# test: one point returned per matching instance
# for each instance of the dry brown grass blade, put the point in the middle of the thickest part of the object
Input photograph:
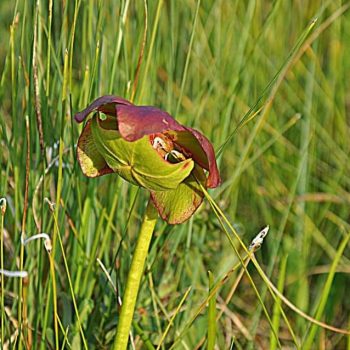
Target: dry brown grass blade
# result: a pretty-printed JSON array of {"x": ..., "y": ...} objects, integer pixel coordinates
[{"x": 142, "y": 50}]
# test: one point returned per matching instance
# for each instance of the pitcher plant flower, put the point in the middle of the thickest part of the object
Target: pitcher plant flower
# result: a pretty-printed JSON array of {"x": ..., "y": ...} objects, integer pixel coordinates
[{"x": 149, "y": 148}]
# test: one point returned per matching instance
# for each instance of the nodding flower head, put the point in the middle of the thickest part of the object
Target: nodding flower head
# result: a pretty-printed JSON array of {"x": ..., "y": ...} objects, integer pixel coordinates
[{"x": 149, "y": 148}]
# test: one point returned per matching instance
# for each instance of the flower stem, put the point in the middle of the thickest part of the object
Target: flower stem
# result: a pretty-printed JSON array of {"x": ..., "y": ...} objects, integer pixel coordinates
[{"x": 134, "y": 277}]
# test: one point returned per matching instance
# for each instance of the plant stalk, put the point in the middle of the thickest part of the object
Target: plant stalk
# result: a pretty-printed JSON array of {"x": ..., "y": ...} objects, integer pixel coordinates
[
  {"x": 134, "y": 277},
  {"x": 2, "y": 214}
]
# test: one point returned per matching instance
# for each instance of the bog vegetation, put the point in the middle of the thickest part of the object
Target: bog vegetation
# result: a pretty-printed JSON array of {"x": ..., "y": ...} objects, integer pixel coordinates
[{"x": 268, "y": 83}]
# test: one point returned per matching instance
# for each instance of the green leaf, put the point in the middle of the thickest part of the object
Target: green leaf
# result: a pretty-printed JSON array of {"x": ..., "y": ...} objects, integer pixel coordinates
[
  {"x": 137, "y": 162},
  {"x": 178, "y": 205}
]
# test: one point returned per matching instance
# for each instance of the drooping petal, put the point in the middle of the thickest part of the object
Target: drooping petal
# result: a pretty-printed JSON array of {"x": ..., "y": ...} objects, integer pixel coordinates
[
  {"x": 202, "y": 152},
  {"x": 137, "y": 162},
  {"x": 178, "y": 205},
  {"x": 135, "y": 122},
  {"x": 105, "y": 104},
  {"x": 214, "y": 175},
  {"x": 91, "y": 161}
]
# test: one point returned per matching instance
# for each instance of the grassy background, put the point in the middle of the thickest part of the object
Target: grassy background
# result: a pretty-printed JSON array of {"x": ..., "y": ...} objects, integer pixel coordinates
[{"x": 208, "y": 63}]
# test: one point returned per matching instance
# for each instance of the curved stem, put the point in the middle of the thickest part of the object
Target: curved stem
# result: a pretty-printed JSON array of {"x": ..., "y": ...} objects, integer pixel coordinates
[{"x": 134, "y": 277}]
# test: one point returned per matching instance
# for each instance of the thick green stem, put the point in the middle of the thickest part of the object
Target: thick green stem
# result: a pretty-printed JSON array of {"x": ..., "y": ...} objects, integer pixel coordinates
[{"x": 134, "y": 278}]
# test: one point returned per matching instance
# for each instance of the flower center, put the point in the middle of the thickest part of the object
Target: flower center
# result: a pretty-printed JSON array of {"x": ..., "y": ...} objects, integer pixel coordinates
[{"x": 167, "y": 148}]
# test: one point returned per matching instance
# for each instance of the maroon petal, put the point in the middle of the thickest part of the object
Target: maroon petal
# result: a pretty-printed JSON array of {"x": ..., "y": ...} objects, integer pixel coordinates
[
  {"x": 105, "y": 104},
  {"x": 214, "y": 176},
  {"x": 135, "y": 122},
  {"x": 201, "y": 150}
]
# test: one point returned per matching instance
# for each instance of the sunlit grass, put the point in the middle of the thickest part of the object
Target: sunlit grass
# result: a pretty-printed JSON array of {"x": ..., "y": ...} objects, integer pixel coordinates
[{"x": 267, "y": 84}]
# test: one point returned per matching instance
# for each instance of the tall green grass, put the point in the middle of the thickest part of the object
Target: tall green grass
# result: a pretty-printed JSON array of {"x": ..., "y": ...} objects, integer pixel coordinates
[{"x": 267, "y": 82}]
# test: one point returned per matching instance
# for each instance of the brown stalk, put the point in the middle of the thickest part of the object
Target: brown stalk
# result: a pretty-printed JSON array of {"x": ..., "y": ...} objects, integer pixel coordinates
[
  {"x": 25, "y": 205},
  {"x": 142, "y": 50},
  {"x": 37, "y": 103}
]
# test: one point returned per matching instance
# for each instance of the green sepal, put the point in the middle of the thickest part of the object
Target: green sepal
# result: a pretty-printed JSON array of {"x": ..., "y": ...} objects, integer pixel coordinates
[
  {"x": 137, "y": 162},
  {"x": 178, "y": 205},
  {"x": 91, "y": 161}
]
